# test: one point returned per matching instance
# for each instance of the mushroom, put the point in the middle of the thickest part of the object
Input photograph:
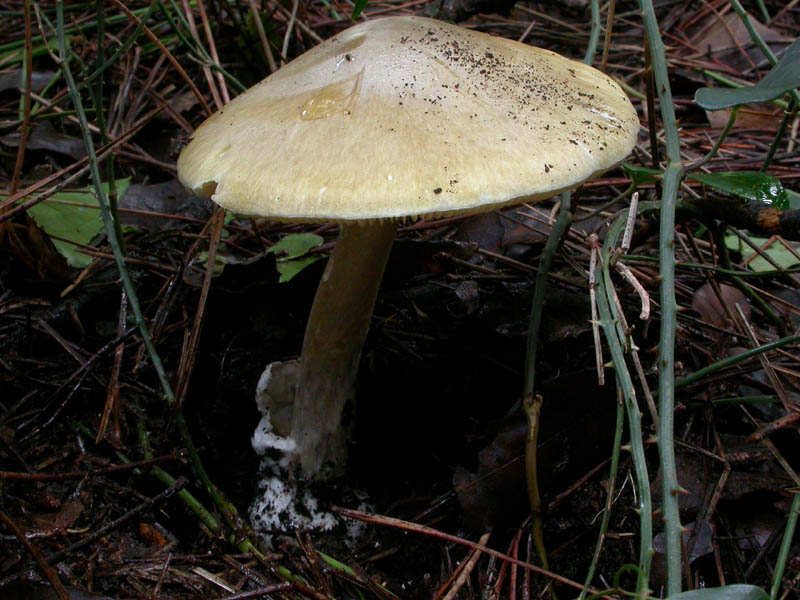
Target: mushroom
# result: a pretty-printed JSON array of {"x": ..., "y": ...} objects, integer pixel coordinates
[{"x": 394, "y": 119}]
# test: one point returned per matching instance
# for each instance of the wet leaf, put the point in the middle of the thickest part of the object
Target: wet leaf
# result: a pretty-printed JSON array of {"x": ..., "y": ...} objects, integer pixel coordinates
[
  {"x": 711, "y": 310},
  {"x": 766, "y": 117},
  {"x": 45, "y": 137},
  {"x": 698, "y": 538},
  {"x": 13, "y": 80},
  {"x": 776, "y": 251},
  {"x": 68, "y": 515},
  {"x": 794, "y": 199},
  {"x": 642, "y": 175},
  {"x": 35, "y": 248},
  {"x": 485, "y": 229},
  {"x": 749, "y": 185},
  {"x": 150, "y": 206},
  {"x": 783, "y": 77},
  {"x": 46, "y": 592},
  {"x": 290, "y": 253},
  {"x": 728, "y": 592},
  {"x": 497, "y": 489},
  {"x": 727, "y": 39},
  {"x": 73, "y": 218}
]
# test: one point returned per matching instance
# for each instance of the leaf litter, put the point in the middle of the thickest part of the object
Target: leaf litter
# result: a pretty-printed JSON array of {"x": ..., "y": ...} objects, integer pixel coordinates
[{"x": 441, "y": 370}]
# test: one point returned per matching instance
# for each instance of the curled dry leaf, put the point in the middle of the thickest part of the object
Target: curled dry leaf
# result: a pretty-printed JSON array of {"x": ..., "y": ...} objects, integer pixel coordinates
[{"x": 714, "y": 311}]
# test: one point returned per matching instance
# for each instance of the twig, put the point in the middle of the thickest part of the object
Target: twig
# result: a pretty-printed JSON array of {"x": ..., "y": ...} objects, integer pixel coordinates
[
  {"x": 111, "y": 407},
  {"x": 110, "y": 470},
  {"x": 48, "y": 571},
  {"x": 24, "y": 129},
  {"x": 644, "y": 314},
  {"x": 170, "y": 57},
  {"x": 57, "y": 557},
  {"x": 262, "y": 36},
  {"x": 189, "y": 352},
  {"x": 607, "y": 39},
  {"x": 633, "y": 210},
  {"x": 215, "y": 94},
  {"x": 468, "y": 566},
  {"x": 430, "y": 531},
  {"x": 212, "y": 48},
  {"x": 289, "y": 26}
]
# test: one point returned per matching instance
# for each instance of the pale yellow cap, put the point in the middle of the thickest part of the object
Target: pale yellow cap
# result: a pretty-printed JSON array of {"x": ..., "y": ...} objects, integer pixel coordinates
[{"x": 407, "y": 117}]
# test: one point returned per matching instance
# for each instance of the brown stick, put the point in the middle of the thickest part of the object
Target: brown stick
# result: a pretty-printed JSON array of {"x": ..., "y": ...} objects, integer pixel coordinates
[{"x": 408, "y": 526}]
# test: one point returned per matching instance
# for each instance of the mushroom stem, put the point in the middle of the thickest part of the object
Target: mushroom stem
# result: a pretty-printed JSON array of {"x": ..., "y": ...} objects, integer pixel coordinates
[{"x": 335, "y": 334}]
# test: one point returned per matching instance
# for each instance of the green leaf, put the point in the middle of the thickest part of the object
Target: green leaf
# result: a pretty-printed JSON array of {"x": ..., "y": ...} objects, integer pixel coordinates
[
  {"x": 220, "y": 260},
  {"x": 728, "y": 592},
  {"x": 750, "y": 185},
  {"x": 73, "y": 216},
  {"x": 783, "y": 77},
  {"x": 642, "y": 175},
  {"x": 358, "y": 7},
  {"x": 776, "y": 251},
  {"x": 290, "y": 268},
  {"x": 296, "y": 244},
  {"x": 290, "y": 251}
]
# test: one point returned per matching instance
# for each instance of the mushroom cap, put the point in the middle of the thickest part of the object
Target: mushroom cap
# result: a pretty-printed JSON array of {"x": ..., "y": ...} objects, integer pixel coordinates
[{"x": 406, "y": 117}]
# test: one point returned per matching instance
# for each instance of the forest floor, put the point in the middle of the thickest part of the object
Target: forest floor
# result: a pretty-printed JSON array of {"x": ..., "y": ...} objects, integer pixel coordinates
[{"x": 99, "y": 493}]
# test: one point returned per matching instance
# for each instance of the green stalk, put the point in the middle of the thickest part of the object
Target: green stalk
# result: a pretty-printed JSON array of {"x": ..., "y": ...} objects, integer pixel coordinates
[
  {"x": 666, "y": 359},
  {"x": 552, "y": 245},
  {"x": 612, "y": 477},
  {"x": 228, "y": 510},
  {"x": 557, "y": 235},
  {"x": 38, "y": 39},
  {"x": 786, "y": 545},
  {"x": 195, "y": 47},
  {"x": 758, "y": 40},
  {"x": 101, "y": 118},
  {"x": 670, "y": 487},
  {"x": 532, "y": 404},
  {"x": 594, "y": 34},
  {"x": 625, "y": 384},
  {"x": 168, "y": 480},
  {"x": 789, "y": 115},
  {"x": 764, "y": 13},
  {"x": 715, "y": 148},
  {"x": 533, "y": 409},
  {"x": 735, "y": 360},
  {"x": 105, "y": 211},
  {"x": 717, "y": 270}
]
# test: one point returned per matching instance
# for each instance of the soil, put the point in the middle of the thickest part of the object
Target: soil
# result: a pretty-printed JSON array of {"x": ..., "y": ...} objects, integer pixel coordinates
[{"x": 438, "y": 448}]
